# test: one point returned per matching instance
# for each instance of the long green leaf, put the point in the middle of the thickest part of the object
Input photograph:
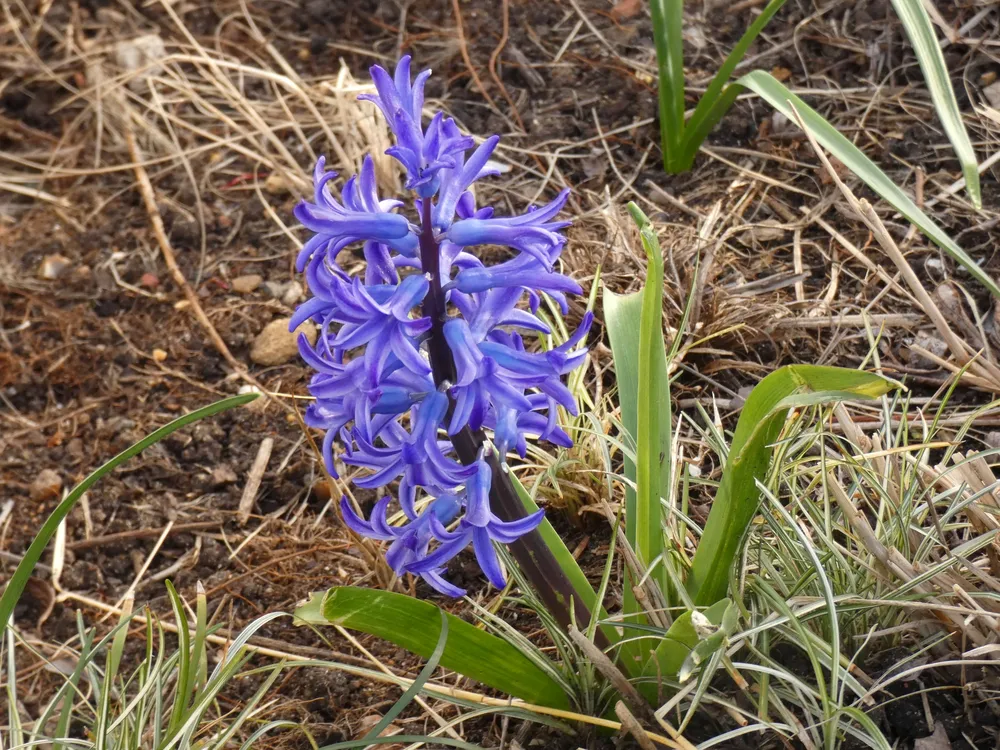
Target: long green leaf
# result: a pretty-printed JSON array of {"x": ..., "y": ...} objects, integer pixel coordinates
[
  {"x": 714, "y": 103},
  {"x": 668, "y": 22},
  {"x": 760, "y": 422},
  {"x": 920, "y": 30},
  {"x": 12, "y": 591},
  {"x": 652, "y": 461},
  {"x": 779, "y": 97},
  {"x": 415, "y": 625}
]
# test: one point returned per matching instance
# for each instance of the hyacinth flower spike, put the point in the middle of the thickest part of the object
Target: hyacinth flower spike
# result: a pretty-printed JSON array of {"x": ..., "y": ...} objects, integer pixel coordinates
[{"x": 426, "y": 351}]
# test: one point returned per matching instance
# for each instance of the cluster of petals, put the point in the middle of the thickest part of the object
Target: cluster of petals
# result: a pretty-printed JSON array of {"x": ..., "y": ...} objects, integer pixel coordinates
[{"x": 376, "y": 397}]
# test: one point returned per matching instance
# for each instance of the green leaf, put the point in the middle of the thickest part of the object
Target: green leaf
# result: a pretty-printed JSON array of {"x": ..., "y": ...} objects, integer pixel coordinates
[
  {"x": 653, "y": 408},
  {"x": 621, "y": 319},
  {"x": 414, "y": 625},
  {"x": 668, "y": 23},
  {"x": 760, "y": 422},
  {"x": 779, "y": 97},
  {"x": 715, "y": 102},
  {"x": 15, "y": 586},
  {"x": 682, "y": 639},
  {"x": 920, "y": 30}
]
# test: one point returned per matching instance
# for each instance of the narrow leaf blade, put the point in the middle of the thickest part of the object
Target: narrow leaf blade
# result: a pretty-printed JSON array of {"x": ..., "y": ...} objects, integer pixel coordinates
[
  {"x": 15, "y": 586},
  {"x": 653, "y": 407},
  {"x": 711, "y": 107},
  {"x": 668, "y": 22},
  {"x": 920, "y": 30},
  {"x": 415, "y": 625},
  {"x": 779, "y": 97}
]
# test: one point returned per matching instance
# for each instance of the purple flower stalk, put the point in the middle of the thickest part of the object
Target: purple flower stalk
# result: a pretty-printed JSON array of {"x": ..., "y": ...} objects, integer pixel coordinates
[{"x": 414, "y": 361}]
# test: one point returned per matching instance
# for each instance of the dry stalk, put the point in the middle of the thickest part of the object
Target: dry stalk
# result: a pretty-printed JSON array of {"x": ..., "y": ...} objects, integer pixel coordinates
[{"x": 984, "y": 373}]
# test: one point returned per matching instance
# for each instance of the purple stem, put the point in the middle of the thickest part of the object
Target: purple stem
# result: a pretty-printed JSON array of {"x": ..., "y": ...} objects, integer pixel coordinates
[{"x": 533, "y": 556}]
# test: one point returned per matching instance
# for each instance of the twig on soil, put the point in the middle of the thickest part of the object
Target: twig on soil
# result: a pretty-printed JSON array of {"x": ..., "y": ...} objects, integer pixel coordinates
[
  {"x": 253, "y": 480},
  {"x": 633, "y": 727},
  {"x": 121, "y": 536},
  {"x": 149, "y": 199},
  {"x": 463, "y": 47},
  {"x": 504, "y": 36}
]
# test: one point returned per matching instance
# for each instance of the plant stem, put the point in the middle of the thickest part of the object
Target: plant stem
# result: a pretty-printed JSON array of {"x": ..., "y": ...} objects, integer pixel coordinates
[{"x": 534, "y": 558}]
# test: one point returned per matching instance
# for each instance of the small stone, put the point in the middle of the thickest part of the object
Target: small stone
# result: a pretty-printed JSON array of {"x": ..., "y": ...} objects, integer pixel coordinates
[
  {"x": 321, "y": 490},
  {"x": 53, "y": 267},
  {"x": 74, "y": 449},
  {"x": 276, "y": 289},
  {"x": 149, "y": 281},
  {"x": 139, "y": 56},
  {"x": 275, "y": 184},
  {"x": 292, "y": 295},
  {"x": 276, "y": 345},
  {"x": 933, "y": 346},
  {"x": 768, "y": 230},
  {"x": 246, "y": 284},
  {"x": 222, "y": 475},
  {"x": 46, "y": 485},
  {"x": 937, "y": 741},
  {"x": 781, "y": 74},
  {"x": 992, "y": 94},
  {"x": 159, "y": 355},
  {"x": 992, "y": 439},
  {"x": 625, "y": 9}
]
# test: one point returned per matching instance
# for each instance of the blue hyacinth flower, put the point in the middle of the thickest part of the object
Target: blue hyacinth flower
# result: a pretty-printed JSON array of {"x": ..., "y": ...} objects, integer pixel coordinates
[{"x": 406, "y": 361}]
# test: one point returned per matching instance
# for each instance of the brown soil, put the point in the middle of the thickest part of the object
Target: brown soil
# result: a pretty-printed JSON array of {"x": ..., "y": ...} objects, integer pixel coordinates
[{"x": 97, "y": 359}]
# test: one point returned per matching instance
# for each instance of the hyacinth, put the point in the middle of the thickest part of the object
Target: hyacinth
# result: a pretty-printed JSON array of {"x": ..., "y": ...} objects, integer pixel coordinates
[{"x": 429, "y": 343}]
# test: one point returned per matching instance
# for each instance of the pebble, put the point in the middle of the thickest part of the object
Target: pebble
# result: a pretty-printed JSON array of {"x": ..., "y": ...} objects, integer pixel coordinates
[
  {"x": 222, "y": 475},
  {"x": 932, "y": 344},
  {"x": 769, "y": 230},
  {"x": 149, "y": 281},
  {"x": 53, "y": 267},
  {"x": 246, "y": 284},
  {"x": 292, "y": 295},
  {"x": 46, "y": 485},
  {"x": 275, "y": 184},
  {"x": 276, "y": 345},
  {"x": 992, "y": 94}
]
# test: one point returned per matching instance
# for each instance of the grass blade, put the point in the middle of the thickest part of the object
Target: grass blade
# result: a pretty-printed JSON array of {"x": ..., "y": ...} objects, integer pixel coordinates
[
  {"x": 668, "y": 23},
  {"x": 760, "y": 422},
  {"x": 920, "y": 30},
  {"x": 715, "y": 102},
  {"x": 778, "y": 96},
  {"x": 652, "y": 456},
  {"x": 185, "y": 679},
  {"x": 413, "y": 624},
  {"x": 15, "y": 586},
  {"x": 418, "y": 684}
]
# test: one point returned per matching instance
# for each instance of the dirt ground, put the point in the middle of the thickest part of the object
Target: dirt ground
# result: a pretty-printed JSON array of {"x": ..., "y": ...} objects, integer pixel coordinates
[{"x": 108, "y": 348}]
